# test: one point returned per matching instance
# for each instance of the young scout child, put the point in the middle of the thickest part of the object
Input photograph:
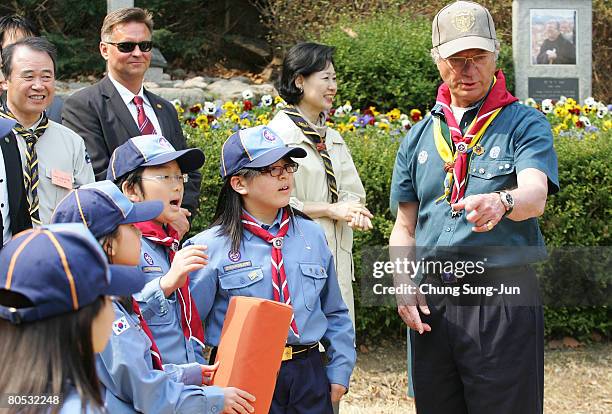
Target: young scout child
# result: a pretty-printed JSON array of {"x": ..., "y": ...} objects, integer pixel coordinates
[
  {"x": 259, "y": 247},
  {"x": 148, "y": 168},
  {"x": 130, "y": 368},
  {"x": 55, "y": 313}
]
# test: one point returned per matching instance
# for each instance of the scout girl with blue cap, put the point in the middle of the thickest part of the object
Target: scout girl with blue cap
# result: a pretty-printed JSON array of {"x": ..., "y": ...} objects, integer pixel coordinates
[
  {"x": 131, "y": 367},
  {"x": 260, "y": 247},
  {"x": 55, "y": 313}
]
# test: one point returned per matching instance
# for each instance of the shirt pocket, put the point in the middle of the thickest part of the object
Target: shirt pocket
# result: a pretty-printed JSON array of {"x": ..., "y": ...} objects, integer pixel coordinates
[
  {"x": 160, "y": 315},
  {"x": 486, "y": 176},
  {"x": 313, "y": 281},
  {"x": 241, "y": 282}
]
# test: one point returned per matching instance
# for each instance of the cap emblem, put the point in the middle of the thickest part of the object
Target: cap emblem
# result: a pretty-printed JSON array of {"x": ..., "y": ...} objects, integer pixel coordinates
[
  {"x": 464, "y": 20},
  {"x": 269, "y": 136},
  {"x": 163, "y": 142}
]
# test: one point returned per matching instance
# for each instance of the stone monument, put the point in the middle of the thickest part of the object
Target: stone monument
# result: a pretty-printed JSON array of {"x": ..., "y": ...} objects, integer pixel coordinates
[{"x": 552, "y": 42}]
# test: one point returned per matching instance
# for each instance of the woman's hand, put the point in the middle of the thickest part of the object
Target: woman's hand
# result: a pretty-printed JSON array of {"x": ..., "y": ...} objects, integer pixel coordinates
[
  {"x": 346, "y": 210},
  {"x": 237, "y": 401},
  {"x": 361, "y": 220},
  {"x": 186, "y": 260}
]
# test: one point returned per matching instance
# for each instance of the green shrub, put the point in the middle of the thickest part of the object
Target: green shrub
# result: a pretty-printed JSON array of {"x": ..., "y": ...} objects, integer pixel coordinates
[{"x": 387, "y": 62}]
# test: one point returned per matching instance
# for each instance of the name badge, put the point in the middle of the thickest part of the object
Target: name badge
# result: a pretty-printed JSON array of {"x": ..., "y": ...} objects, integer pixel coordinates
[
  {"x": 151, "y": 269},
  {"x": 61, "y": 179},
  {"x": 235, "y": 266}
]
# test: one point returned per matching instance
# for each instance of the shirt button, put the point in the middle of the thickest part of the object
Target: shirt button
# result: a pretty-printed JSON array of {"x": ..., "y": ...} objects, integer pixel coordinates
[
  {"x": 481, "y": 171},
  {"x": 507, "y": 166},
  {"x": 1, "y": 180},
  {"x": 448, "y": 229},
  {"x": 2, "y": 205},
  {"x": 501, "y": 167},
  {"x": 489, "y": 175},
  {"x": 213, "y": 409}
]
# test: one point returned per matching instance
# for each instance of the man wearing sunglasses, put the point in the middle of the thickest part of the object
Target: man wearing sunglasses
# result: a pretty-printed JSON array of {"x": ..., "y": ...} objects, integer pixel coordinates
[
  {"x": 471, "y": 181},
  {"x": 117, "y": 108}
]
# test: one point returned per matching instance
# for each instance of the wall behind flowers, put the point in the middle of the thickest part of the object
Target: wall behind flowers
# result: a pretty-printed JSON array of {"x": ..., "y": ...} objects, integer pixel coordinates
[{"x": 577, "y": 216}]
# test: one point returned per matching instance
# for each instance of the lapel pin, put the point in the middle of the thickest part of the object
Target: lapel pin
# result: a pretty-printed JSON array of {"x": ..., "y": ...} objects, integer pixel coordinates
[
  {"x": 158, "y": 106},
  {"x": 478, "y": 150}
]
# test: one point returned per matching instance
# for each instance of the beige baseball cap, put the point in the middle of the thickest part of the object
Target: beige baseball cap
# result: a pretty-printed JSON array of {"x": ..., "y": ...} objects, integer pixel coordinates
[{"x": 463, "y": 25}]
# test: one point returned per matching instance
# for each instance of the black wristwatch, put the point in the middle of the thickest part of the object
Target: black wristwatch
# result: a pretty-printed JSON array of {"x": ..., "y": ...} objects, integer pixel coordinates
[{"x": 507, "y": 200}]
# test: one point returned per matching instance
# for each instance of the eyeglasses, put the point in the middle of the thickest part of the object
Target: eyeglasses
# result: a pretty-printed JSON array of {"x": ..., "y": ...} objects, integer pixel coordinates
[
  {"x": 128, "y": 47},
  {"x": 278, "y": 170},
  {"x": 167, "y": 179},
  {"x": 459, "y": 62}
]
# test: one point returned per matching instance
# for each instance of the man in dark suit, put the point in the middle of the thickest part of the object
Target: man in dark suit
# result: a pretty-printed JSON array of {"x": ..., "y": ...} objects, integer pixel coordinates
[
  {"x": 14, "y": 216},
  {"x": 117, "y": 108}
]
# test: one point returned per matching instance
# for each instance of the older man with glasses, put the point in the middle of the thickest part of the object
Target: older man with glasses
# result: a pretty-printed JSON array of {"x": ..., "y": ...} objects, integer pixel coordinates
[
  {"x": 471, "y": 180},
  {"x": 118, "y": 107}
]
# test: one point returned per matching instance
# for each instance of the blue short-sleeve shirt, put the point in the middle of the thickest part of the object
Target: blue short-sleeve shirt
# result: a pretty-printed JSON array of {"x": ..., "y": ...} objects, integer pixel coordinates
[{"x": 518, "y": 138}]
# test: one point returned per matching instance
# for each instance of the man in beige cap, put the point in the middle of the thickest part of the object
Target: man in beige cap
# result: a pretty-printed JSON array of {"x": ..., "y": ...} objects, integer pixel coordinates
[{"x": 471, "y": 180}]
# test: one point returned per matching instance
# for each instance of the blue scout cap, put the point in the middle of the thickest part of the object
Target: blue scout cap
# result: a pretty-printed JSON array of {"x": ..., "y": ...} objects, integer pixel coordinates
[
  {"x": 255, "y": 147},
  {"x": 148, "y": 151},
  {"x": 5, "y": 126},
  {"x": 60, "y": 268},
  {"x": 102, "y": 207}
]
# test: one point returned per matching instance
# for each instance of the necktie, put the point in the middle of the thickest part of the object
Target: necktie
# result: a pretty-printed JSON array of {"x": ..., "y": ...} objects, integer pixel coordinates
[
  {"x": 144, "y": 123},
  {"x": 279, "y": 278},
  {"x": 319, "y": 142}
]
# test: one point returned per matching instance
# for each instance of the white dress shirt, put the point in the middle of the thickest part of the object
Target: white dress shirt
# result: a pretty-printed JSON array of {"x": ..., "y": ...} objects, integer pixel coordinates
[{"x": 128, "y": 99}]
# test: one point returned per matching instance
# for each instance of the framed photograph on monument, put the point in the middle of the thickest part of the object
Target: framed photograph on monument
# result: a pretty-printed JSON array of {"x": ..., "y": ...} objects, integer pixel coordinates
[{"x": 553, "y": 36}]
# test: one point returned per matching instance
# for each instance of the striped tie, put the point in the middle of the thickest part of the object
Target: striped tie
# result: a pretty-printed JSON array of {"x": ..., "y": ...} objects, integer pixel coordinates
[
  {"x": 30, "y": 173},
  {"x": 144, "y": 123},
  {"x": 319, "y": 142},
  {"x": 280, "y": 286}
]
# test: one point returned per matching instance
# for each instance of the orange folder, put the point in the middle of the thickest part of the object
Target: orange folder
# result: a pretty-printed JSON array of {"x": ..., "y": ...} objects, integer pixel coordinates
[{"x": 251, "y": 347}]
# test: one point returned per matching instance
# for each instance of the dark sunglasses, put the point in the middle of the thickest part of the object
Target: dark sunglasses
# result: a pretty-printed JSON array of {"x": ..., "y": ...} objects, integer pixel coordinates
[{"x": 128, "y": 47}]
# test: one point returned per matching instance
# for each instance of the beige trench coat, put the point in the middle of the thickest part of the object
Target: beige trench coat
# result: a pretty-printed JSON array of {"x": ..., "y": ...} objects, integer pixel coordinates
[{"x": 311, "y": 186}]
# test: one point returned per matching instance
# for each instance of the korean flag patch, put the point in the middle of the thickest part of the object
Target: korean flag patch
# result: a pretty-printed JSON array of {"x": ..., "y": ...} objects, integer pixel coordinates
[{"x": 120, "y": 325}]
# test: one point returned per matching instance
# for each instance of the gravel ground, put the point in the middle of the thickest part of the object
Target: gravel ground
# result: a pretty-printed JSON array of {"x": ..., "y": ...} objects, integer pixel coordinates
[{"x": 576, "y": 381}]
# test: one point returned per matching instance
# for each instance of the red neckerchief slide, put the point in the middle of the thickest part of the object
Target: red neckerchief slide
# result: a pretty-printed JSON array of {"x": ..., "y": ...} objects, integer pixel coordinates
[
  {"x": 498, "y": 97},
  {"x": 190, "y": 320},
  {"x": 279, "y": 277}
]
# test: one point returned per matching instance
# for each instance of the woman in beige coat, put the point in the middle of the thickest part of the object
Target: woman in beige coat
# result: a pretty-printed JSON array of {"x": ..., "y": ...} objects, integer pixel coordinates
[{"x": 327, "y": 185}]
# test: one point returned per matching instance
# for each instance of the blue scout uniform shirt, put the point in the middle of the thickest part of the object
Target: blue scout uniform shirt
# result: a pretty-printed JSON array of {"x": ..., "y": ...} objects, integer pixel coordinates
[
  {"x": 518, "y": 138},
  {"x": 320, "y": 312},
  {"x": 163, "y": 315},
  {"x": 71, "y": 403},
  {"x": 132, "y": 385}
]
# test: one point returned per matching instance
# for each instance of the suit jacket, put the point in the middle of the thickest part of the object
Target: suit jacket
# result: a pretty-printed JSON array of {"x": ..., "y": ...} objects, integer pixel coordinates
[
  {"x": 99, "y": 115},
  {"x": 18, "y": 202}
]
